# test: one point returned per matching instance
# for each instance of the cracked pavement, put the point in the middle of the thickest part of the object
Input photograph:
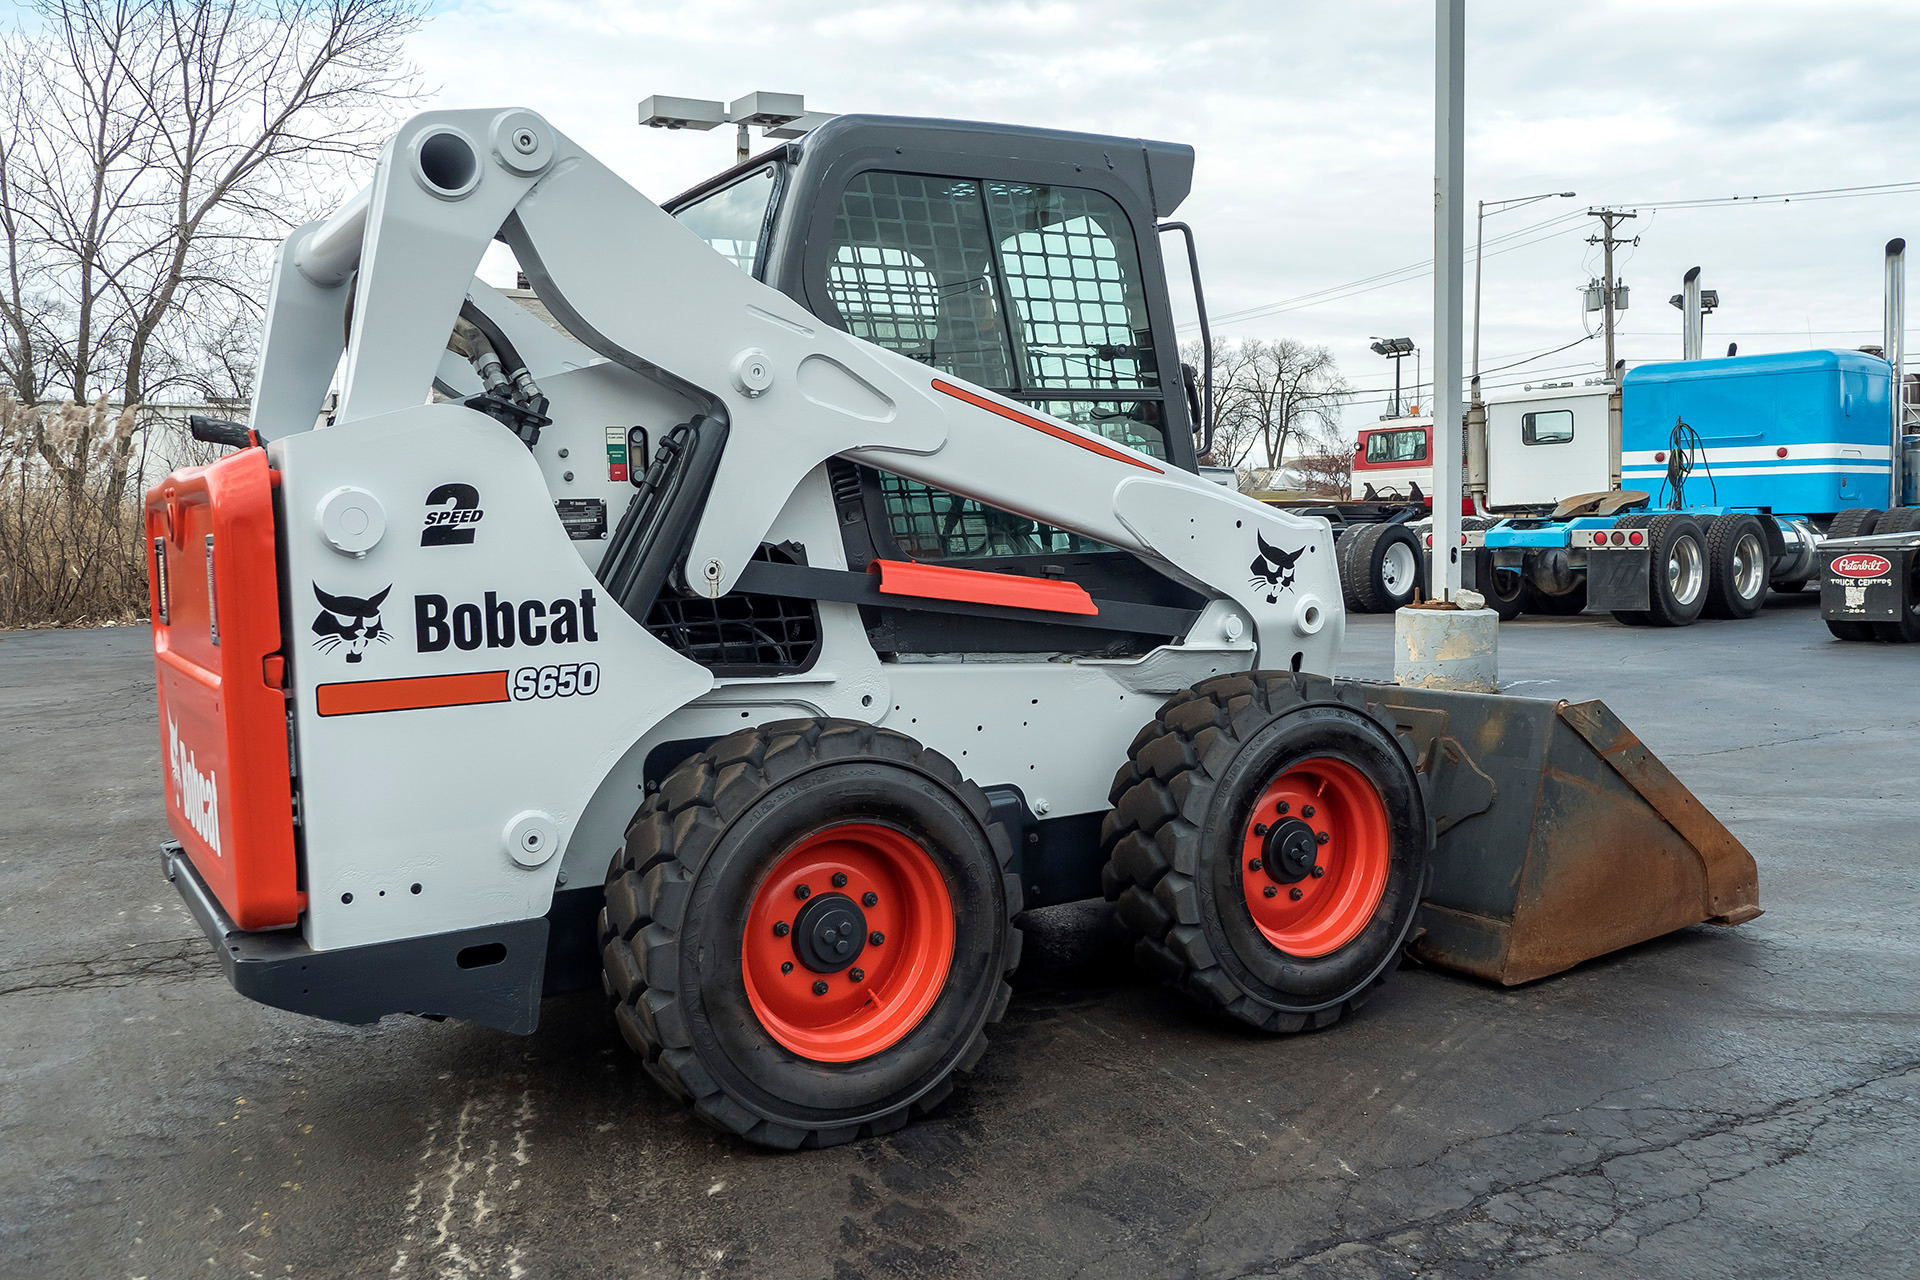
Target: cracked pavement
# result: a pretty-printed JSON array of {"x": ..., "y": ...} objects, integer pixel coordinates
[{"x": 1731, "y": 1103}]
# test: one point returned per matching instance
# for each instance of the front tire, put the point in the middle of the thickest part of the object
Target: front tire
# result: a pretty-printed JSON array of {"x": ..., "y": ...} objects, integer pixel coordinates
[
  {"x": 1382, "y": 567},
  {"x": 1216, "y": 828},
  {"x": 1905, "y": 630},
  {"x": 808, "y": 930}
]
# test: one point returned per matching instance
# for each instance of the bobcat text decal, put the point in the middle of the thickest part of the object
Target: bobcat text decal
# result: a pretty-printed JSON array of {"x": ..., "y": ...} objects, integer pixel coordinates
[
  {"x": 501, "y": 624},
  {"x": 197, "y": 793}
]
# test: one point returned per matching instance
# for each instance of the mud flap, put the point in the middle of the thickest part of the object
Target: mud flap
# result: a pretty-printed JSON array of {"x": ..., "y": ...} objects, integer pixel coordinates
[{"x": 1558, "y": 835}]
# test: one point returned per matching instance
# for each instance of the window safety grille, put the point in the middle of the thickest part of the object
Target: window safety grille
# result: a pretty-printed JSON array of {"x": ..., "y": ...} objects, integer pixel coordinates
[{"x": 742, "y": 633}]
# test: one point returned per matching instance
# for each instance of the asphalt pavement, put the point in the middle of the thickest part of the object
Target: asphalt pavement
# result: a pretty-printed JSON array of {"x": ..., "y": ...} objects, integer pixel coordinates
[{"x": 1740, "y": 1102}]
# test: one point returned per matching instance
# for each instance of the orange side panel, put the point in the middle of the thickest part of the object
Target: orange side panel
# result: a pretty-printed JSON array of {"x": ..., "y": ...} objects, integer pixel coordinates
[
  {"x": 214, "y": 590},
  {"x": 410, "y": 693},
  {"x": 939, "y": 582}
]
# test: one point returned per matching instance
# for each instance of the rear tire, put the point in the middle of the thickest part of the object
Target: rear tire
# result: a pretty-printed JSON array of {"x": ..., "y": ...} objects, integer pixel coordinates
[
  {"x": 1854, "y": 522},
  {"x": 1677, "y": 570},
  {"x": 1197, "y": 805},
  {"x": 1382, "y": 569},
  {"x": 1505, "y": 589},
  {"x": 1564, "y": 605},
  {"x": 700, "y": 914},
  {"x": 1907, "y": 629},
  {"x": 1737, "y": 561}
]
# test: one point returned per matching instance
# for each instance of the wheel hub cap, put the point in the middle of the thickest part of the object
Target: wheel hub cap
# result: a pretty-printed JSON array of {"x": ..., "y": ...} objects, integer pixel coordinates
[
  {"x": 829, "y": 933},
  {"x": 1289, "y": 853}
]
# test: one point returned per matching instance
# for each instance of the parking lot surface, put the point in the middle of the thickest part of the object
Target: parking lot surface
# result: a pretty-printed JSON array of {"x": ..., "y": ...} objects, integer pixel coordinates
[{"x": 1737, "y": 1102}]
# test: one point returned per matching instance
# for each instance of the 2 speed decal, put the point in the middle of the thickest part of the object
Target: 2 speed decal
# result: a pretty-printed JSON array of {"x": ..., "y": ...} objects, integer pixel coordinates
[
  {"x": 452, "y": 511},
  {"x": 563, "y": 681}
]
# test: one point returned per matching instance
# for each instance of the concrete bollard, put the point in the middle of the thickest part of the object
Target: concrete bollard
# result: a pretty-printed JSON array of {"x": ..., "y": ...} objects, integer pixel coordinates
[{"x": 1455, "y": 649}]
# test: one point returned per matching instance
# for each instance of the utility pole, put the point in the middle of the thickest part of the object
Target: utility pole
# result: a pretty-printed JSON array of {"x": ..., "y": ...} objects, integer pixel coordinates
[{"x": 1606, "y": 240}]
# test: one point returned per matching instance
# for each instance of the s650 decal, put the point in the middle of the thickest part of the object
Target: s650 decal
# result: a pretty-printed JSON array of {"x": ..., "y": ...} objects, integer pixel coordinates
[{"x": 563, "y": 681}]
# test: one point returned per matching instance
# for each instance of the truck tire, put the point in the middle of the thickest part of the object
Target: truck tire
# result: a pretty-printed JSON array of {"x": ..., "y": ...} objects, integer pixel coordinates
[
  {"x": 1737, "y": 563},
  {"x": 1383, "y": 567},
  {"x": 773, "y": 887},
  {"x": 1259, "y": 770},
  {"x": 1854, "y": 522},
  {"x": 1566, "y": 604},
  {"x": 1907, "y": 629},
  {"x": 1635, "y": 617},
  {"x": 1677, "y": 572}
]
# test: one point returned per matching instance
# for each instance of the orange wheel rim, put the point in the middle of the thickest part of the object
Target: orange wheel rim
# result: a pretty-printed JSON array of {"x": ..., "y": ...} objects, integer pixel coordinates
[
  {"x": 1314, "y": 857},
  {"x": 848, "y": 942}
]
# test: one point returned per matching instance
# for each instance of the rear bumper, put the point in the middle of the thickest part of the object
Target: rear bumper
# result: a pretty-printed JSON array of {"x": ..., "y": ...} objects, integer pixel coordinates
[{"x": 492, "y": 975}]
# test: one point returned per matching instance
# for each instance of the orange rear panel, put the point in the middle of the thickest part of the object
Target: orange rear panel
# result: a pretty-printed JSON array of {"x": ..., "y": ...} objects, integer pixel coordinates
[{"x": 223, "y": 726}]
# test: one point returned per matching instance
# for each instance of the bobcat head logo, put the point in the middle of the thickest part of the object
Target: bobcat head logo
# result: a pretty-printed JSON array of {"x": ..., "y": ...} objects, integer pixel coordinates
[
  {"x": 1273, "y": 568},
  {"x": 349, "y": 620}
]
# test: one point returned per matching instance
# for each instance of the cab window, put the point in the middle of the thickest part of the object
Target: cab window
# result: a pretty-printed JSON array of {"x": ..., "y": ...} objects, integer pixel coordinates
[
  {"x": 1549, "y": 426},
  {"x": 734, "y": 219},
  {"x": 1397, "y": 446},
  {"x": 1032, "y": 291}
]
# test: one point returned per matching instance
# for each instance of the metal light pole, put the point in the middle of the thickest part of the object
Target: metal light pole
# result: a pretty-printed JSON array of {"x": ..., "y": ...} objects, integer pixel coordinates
[
  {"x": 1449, "y": 153},
  {"x": 1396, "y": 350},
  {"x": 1479, "y": 233}
]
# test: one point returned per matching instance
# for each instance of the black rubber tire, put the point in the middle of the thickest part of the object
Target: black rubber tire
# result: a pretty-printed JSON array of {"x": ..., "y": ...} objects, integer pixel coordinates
[
  {"x": 1361, "y": 573},
  {"x": 679, "y": 890},
  {"x": 1854, "y": 522},
  {"x": 1173, "y": 844},
  {"x": 1792, "y": 588},
  {"x": 1564, "y": 605},
  {"x": 1505, "y": 590},
  {"x": 1664, "y": 533},
  {"x": 1907, "y": 629},
  {"x": 1633, "y": 617},
  {"x": 1723, "y": 593}
]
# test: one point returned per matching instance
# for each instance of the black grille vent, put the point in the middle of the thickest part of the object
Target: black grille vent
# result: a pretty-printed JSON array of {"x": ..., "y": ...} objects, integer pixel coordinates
[
  {"x": 742, "y": 633},
  {"x": 845, "y": 479}
]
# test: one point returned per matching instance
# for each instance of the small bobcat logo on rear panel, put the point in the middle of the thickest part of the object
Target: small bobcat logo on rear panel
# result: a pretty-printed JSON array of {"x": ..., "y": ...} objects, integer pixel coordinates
[
  {"x": 1273, "y": 568},
  {"x": 350, "y": 621}
]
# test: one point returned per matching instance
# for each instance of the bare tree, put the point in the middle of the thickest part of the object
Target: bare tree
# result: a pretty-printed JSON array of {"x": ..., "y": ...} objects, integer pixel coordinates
[
  {"x": 1267, "y": 395},
  {"x": 154, "y": 147}
]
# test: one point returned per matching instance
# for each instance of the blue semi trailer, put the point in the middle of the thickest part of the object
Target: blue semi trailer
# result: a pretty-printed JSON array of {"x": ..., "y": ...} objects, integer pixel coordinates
[{"x": 1724, "y": 477}]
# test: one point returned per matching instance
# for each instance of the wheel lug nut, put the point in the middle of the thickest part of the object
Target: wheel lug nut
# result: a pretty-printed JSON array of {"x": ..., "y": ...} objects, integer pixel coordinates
[
  {"x": 1254, "y": 864},
  {"x": 839, "y": 879},
  {"x": 1306, "y": 811},
  {"x": 858, "y": 975},
  {"x": 1270, "y": 891},
  {"x": 1259, "y": 828},
  {"x": 1318, "y": 872},
  {"x": 820, "y": 987},
  {"x": 1321, "y": 837},
  {"x": 781, "y": 928},
  {"x": 786, "y": 966},
  {"x": 869, "y": 899},
  {"x": 803, "y": 893},
  {"x": 876, "y": 938},
  {"x": 1294, "y": 893}
]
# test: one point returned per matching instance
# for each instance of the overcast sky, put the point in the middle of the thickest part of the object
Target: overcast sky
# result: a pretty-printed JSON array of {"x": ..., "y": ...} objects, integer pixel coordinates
[{"x": 1313, "y": 124}]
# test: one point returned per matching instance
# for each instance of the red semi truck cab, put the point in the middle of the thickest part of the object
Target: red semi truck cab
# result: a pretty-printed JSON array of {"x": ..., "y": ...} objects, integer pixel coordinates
[{"x": 1392, "y": 456}]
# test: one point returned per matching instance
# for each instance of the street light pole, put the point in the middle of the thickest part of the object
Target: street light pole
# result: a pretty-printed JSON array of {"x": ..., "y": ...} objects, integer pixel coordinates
[{"x": 1479, "y": 234}]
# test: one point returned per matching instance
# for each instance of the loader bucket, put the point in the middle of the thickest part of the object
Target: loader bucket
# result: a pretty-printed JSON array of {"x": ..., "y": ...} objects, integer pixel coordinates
[{"x": 1559, "y": 836}]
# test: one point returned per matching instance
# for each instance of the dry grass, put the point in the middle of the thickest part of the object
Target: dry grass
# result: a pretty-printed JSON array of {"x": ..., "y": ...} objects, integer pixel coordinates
[{"x": 72, "y": 551}]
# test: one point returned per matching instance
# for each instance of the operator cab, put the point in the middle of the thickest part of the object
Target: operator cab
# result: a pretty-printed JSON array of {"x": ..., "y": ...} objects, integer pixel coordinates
[{"x": 1024, "y": 260}]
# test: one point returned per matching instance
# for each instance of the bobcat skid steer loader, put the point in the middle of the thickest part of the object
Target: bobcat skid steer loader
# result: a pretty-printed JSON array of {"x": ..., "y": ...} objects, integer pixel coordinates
[{"x": 827, "y": 583}]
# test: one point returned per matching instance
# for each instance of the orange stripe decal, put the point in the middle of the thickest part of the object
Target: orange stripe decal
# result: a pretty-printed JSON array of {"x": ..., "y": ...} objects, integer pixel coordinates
[
  {"x": 1053, "y": 429},
  {"x": 412, "y": 693}
]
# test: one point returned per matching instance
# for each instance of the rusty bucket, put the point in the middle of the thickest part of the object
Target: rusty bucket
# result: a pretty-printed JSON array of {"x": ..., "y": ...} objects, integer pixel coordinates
[{"x": 1559, "y": 835}]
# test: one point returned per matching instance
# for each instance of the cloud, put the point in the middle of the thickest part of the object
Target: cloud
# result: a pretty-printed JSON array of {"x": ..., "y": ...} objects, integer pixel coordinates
[{"x": 1313, "y": 124}]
